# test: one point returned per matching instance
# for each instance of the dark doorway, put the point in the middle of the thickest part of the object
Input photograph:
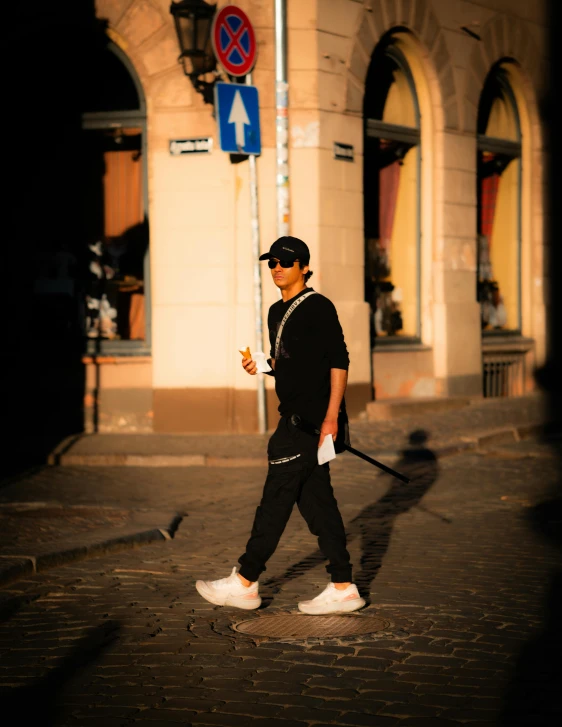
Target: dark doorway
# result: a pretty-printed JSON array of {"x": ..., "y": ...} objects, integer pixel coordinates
[{"x": 61, "y": 68}]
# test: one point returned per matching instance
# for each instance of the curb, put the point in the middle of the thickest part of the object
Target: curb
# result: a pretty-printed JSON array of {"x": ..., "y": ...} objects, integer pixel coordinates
[
  {"x": 141, "y": 530},
  {"x": 494, "y": 437}
]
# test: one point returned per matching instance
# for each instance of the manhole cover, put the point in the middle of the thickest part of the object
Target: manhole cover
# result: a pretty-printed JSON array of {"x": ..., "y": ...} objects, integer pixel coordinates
[{"x": 303, "y": 627}]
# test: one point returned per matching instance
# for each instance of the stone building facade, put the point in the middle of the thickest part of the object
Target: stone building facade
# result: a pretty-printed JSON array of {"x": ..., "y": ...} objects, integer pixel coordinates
[{"x": 429, "y": 241}]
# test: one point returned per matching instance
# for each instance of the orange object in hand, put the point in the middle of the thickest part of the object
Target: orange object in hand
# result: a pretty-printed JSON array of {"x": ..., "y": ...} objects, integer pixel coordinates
[{"x": 246, "y": 353}]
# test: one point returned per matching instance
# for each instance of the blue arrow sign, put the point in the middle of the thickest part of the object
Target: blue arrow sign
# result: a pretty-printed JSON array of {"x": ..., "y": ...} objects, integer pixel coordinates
[{"x": 238, "y": 118}]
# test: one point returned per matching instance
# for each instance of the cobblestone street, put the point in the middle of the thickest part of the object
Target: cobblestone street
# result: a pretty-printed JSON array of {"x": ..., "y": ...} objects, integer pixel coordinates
[
  {"x": 456, "y": 566},
  {"x": 242, "y": 235}
]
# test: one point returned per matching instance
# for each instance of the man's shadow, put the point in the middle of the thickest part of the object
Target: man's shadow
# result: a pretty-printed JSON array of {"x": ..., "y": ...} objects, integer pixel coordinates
[{"x": 374, "y": 524}]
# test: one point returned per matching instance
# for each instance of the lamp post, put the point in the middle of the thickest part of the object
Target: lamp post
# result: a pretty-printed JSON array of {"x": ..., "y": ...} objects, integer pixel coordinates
[{"x": 193, "y": 20}]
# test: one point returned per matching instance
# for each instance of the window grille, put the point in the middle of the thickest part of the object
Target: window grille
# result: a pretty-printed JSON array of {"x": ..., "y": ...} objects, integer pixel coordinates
[{"x": 504, "y": 374}]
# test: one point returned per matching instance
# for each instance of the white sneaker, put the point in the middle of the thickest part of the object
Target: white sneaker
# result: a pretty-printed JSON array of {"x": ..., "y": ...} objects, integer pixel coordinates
[
  {"x": 230, "y": 592},
  {"x": 333, "y": 601}
]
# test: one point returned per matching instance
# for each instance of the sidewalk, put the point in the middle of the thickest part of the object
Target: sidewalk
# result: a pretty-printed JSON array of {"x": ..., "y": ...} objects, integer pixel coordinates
[
  {"x": 44, "y": 533},
  {"x": 481, "y": 422},
  {"x": 36, "y": 536}
]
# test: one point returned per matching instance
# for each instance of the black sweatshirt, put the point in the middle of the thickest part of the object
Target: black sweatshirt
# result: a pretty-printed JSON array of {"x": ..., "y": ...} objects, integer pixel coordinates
[{"x": 312, "y": 343}]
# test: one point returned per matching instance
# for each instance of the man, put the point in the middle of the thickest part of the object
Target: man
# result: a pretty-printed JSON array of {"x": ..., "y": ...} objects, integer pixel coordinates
[{"x": 309, "y": 361}]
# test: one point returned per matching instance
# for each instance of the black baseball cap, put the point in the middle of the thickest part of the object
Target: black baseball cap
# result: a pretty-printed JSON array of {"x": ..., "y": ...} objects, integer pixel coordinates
[{"x": 288, "y": 248}]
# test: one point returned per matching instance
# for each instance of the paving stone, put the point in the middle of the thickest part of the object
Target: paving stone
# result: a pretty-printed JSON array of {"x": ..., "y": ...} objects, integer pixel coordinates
[
  {"x": 453, "y": 634},
  {"x": 407, "y": 710},
  {"x": 222, "y": 719},
  {"x": 409, "y": 668},
  {"x": 313, "y": 670},
  {"x": 335, "y": 682},
  {"x": 380, "y": 722},
  {"x": 308, "y": 658},
  {"x": 462, "y": 599},
  {"x": 272, "y": 687},
  {"x": 255, "y": 652},
  {"x": 292, "y": 699},
  {"x": 229, "y": 684},
  {"x": 353, "y": 718},
  {"x": 388, "y": 697},
  {"x": 277, "y": 722},
  {"x": 427, "y": 722},
  {"x": 252, "y": 709},
  {"x": 168, "y": 682},
  {"x": 390, "y": 655},
  {"x": 167, "y": 716},
  {"x": 106, "y": 711},
  {"x": 362, "y": 705},
  {"x": 94, "y": 720},
  {"x": 439, "y": 700},
  {"x": 249, "y": 662},
  {"x": 280, "y": 677},
  {"x": 207, "y": 648},
  {"x": 210, "y": 672},
  {"x": 385, "y": 683},
  {"x": 477, "y": 673},
  {"x": 459, "y": 715},
  {"x": 329, "y": 694},
  {"x": 488, "y": 665},
  {"x": 190, "y": 703},
  {"x": 441, "y": 661},
  {"x": 307, "y": 714},
  {"x": 156, "y": 660},
  {"x": 422, "y": 678},
  {"x": 337, "y": 649},
  {"x": 476, "y": 649}
]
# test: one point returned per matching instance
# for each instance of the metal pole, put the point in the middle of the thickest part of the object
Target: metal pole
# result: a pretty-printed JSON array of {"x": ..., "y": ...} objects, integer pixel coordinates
[
  {"x": 262, "y": 404},
  {"x": 282, "y": 118}
]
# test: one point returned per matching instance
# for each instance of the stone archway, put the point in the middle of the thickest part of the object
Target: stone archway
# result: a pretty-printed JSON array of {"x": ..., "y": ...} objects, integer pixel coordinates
[
  {"x": 418, "y": 17},
  {"x": 144, "y": 31},
  {"x": 502, "y": 38}
]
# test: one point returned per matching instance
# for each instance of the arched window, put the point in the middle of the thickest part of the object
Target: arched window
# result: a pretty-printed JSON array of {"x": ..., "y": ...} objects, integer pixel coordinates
[
  {"x": 499, "y": 206},
  {"x": 391, "y": 184},
  {"x": 115, "y": 205}
]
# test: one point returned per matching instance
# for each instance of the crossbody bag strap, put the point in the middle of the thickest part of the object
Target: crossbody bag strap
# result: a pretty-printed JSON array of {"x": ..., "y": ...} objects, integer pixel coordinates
[{"x": 294, "y": 305}]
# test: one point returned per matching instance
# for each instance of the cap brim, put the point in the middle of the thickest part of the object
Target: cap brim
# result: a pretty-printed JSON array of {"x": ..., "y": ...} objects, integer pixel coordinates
[{"x": 268, "y": 256}]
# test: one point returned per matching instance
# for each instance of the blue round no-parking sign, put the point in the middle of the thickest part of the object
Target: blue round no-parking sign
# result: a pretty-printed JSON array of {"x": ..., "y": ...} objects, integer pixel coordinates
[{"x": 234, "y": 41}]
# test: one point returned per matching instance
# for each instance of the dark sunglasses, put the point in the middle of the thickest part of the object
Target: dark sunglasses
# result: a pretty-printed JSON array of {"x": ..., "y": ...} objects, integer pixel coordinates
[{"x": 284, "y": 263}]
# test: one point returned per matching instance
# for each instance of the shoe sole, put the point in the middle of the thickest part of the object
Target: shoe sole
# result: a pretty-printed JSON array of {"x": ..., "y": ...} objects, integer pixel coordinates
[
  {"x": 244, "y": 604},
  {"x": 327, "y": 608}
]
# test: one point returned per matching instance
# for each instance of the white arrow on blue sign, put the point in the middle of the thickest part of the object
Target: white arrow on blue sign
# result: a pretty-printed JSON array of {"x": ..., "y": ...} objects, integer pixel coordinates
[{"x": 238, "y": 118}]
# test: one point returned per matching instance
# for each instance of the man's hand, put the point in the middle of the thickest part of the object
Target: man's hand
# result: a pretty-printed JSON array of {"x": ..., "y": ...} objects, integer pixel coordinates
[
  {"x": 329, "y": 426},
  {"x": 250, "y": 366}
]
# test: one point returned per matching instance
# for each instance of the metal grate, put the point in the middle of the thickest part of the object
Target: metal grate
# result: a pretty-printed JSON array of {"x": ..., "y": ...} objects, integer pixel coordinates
[
  {"x": 504, "y": 374},
  {"x": 303, "y": 627}
]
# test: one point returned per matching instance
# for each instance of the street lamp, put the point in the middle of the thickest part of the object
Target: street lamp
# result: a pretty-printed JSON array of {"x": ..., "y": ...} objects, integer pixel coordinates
[{"x": 193, "y": 20}]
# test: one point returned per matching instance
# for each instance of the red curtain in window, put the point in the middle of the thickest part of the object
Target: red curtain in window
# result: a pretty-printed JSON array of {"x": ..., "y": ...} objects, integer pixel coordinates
[
  {"x": 123, "y": 211},
  {"x": 389, "y": 180},
  {"x": 122, "y": 192},
  {"x": 488, "y": 197}
]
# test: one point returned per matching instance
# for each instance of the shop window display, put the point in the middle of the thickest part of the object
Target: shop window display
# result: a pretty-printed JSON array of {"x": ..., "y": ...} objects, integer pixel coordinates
[
  {"x": 115, "y": 253},
  {"x": 114, "y": 295},
  {"x": 499, "y": 189},
  {"x": 391, "y": 197}
]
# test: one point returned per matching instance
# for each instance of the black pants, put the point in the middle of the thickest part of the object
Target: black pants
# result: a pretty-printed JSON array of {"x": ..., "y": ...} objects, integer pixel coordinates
[{"x": 294, "y": 475}]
